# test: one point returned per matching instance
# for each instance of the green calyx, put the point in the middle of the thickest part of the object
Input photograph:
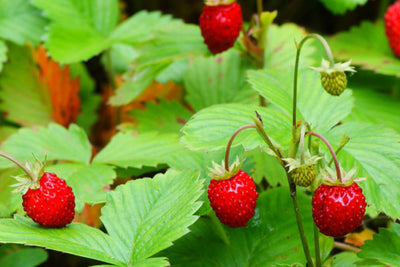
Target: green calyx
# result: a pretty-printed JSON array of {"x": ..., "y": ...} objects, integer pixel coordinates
[
  {"x": 218, "y": 2},
  {"x": 329, "y": 177},
  {"x": 30, "y": 179},
  {"x": 303, "y": 174},
  {"x": 333, "y": 78},
  {"x": 219, "y": 172}
]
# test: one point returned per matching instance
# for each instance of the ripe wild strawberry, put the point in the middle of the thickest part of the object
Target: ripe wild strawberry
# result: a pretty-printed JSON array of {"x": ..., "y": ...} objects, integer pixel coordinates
[
  {"x": 52, "y": 204},
  {"x": 232, "y": 195},
  {"x": 46, "y": 199},
  {"x": 338, "y": 208},
  {"x": 333, "y": 78},
  {"x": 392, "y": 27},
  {"x": 220, "y": 24}
]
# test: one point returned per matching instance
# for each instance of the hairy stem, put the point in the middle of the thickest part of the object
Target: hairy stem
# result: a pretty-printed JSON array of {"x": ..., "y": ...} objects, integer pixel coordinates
[
  {"x": 316, "y": 243},
  {"x": 26, "y": 170},
  {"x": 346, "y": 247},
  {"x": 329, "y": 54},
  {"x": 228, "y": 147},
  {"x": 334, "y": 157}
]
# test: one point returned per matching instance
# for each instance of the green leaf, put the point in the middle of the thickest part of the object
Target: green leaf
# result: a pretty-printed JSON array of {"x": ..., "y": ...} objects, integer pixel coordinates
[
  {"x": 136, "y": 83},
  {"x": 21, "y": 94},
  {"x": 367, "y": 46},
  {"x": 15, "y": 256},
  {"x": 143, "y": 23},
  {"x": 211, "y": 128},
  {"x": 155, "y": 211},
  {"x": 218, "y": 79},
  {"x": 79, "y": 28},
  {"x": 375, "y": 107},
  {"x": 266, "y": 166},
  {"x": 341, "y": 6},
  {"x": 9, "y": 202},
  {"x": 3, "y": 54},
  {"x": 314, "y": 105},
  {"x": 385, "y": 247},
  {"x": 90, "y": 101},
  {"x": 174, "y": 41},
  {"x": 374, "y": 150},
  {"x": 270, "y": 239},
  {"x": 132, "y": 150},
  {"x": 76, "y": 238},
  {"x": 280, "y": 50},
  {"x": 54, "y": 143},
  {"x": 87, "y": 181},
  {"x": 20, "y": 22},
  {"x": 345, "y": 259},
  {"x": 163, "y": 117}
]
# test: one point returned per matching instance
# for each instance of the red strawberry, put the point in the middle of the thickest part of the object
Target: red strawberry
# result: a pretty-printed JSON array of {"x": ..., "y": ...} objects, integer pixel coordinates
[
  {"x": 220, "y": 24},
  {"x": 233, "y": 200},
  {"x": 392, "y": 27},
  {"x": 52, "y": 204},
  {"x": 338, "y": 210}
]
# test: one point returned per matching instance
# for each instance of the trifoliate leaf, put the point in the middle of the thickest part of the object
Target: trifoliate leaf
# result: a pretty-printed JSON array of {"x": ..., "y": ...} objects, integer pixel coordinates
[{"x": 341, "y": 6}]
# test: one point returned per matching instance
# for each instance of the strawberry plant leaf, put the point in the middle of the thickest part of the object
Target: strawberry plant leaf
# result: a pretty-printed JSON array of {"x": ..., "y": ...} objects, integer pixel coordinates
[
  {"x": 368, "y": 145},
  {"x": 20, "y": 22},
  {"x": 3, "y": 54},
  {"x": 280, "y": 48},
  {"x": 78, "y": 239},
  {"x": 132, "y": 150},
  {"x": 340, "y": 7},
  {"x": 367, "y": 46},
  {"x": 54, "y": 143},
  {"x": 375, "y": 107},
  {"x": 79, "y": 28},
  {"x": 158, "y": 209},
  {"x": 16, "y": 256},
  {"x": 345, "y": 259},
  {"x": 379, "y": 248},
  {"x": 9, "y": 202},
  {"x": 210, "y": 128},
  {"x": 144, "y": 23},
  {"x": 164, "y": 117},
  {"x": 178, "y": 41},
  {"x": 314, "y": 105},
  {"x": 87, "y": 181},
  {"x": 21, "y": 94},
  {"x": 218, "y": 79},
  {"x": 271, "y": 237}
]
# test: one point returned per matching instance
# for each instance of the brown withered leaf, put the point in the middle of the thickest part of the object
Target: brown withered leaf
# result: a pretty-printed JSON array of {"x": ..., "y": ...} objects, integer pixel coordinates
[
  {"x": 358, "y": 239},
  {"x": 63, "y": 90}
]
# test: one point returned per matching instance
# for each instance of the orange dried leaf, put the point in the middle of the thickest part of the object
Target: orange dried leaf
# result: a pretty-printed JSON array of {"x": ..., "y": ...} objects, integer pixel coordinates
[
  {"x": 90, "y": 215},
  {"x": 358, "y": 239},
  {"x": 63, "y": 90}
]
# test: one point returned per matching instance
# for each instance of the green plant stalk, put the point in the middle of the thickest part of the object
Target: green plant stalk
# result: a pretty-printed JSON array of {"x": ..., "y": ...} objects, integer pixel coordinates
[
  {"x": 26, "y": 170},
  {"x": 344, "y": 141},
  {"x": 292, "y": 186},
  {"x": 329, "y": 54},
  {"x": 228, "y": 146},
  {"x": 302, "y": 134},
  {"x": 259, "y": 8},
  {"x": 316, "y": 243}
]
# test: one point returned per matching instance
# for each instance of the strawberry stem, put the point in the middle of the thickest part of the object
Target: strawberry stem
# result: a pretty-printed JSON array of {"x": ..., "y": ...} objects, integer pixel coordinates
[
  {"x": 334, "y": 157},
  {"x": 317, "y": 250},
  {"x": 228, "y": 147},
  {"x": 302, "y": 134},
  {"x": 26, "y": 170},
  {"x": 329, "y": 54},
  {"x": 343, "y": 142}
]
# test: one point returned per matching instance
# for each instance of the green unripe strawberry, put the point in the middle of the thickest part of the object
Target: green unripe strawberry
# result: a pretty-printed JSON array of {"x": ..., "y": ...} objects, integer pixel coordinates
[
  {"x": 334, "y": 83},
  {"x": 304, "y": 175},
  {"x": 333, "y": 77}
]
